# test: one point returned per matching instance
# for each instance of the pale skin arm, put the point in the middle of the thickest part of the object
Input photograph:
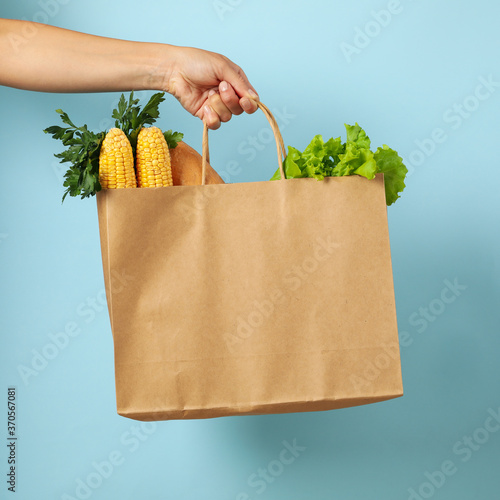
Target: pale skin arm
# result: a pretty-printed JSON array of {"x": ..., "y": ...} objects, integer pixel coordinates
[{"x": 44, "y": 58}]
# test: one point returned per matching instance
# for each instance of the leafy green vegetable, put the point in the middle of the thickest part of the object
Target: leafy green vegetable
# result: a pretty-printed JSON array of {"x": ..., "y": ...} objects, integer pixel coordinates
[
  {"x": 354, "y": 157},
  {"x": 173, "y": 138},
  {"x": 391, "y": 164},
  {"x": 83, "y": 146},
  {"x": 82, "y": 178},
  {"x": 131, "y": 119}
]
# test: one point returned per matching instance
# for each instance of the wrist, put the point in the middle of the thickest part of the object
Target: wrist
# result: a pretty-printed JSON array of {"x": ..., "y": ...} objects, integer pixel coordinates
[{"x": 160, "y": 66}]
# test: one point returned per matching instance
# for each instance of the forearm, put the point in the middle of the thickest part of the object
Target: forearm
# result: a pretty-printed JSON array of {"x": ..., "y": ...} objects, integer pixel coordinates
[{"x": 45, "y": 58}]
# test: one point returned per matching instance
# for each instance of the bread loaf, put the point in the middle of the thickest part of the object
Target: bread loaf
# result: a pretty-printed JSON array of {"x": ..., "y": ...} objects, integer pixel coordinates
[{"x": 186, "y": 167}]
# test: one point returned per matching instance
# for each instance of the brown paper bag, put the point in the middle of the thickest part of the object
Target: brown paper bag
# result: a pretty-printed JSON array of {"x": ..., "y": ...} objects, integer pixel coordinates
[{"x": 250, "y": 298}]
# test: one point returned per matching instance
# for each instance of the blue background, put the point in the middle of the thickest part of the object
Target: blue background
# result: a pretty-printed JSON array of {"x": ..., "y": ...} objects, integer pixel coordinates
[{"x": 409, "y": 79}]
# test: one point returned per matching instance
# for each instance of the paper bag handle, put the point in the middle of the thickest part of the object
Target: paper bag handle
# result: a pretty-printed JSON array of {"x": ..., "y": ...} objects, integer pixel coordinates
[{"x": 280, "y": 145}]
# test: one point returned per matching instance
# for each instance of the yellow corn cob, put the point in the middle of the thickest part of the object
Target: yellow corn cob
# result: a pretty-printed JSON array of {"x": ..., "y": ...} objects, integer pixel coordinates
[
  {"x": 153, "y": 159},
  {"x": 116, "y": 161}
]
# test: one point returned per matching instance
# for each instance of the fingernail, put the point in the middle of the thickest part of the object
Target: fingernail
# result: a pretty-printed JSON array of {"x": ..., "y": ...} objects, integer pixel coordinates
[
  {"x": 206, "y": 109},
  {"x": 212, "y": 92},
  {"x": 223, "y": 86},
  {"x": 251, "y": 93},
  {"x": 245, "y": 103}
]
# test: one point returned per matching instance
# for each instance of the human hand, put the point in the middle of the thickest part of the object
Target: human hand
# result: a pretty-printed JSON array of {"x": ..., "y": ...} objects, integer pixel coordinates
[{"x": 208, "y": 85}]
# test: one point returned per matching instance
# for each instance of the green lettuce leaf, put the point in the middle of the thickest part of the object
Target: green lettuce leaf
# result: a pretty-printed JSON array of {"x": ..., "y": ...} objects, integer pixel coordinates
[
  {"x": 358, "y": 158},
  {"x": 391, "y": 165},
  {"x": 356, "y": 134},
  {"x": 357, "y": 161},
  {"x": 290, "y": 165},
  {"x": 317, "y": 160},
  {"x": 333, "y": 148}
]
